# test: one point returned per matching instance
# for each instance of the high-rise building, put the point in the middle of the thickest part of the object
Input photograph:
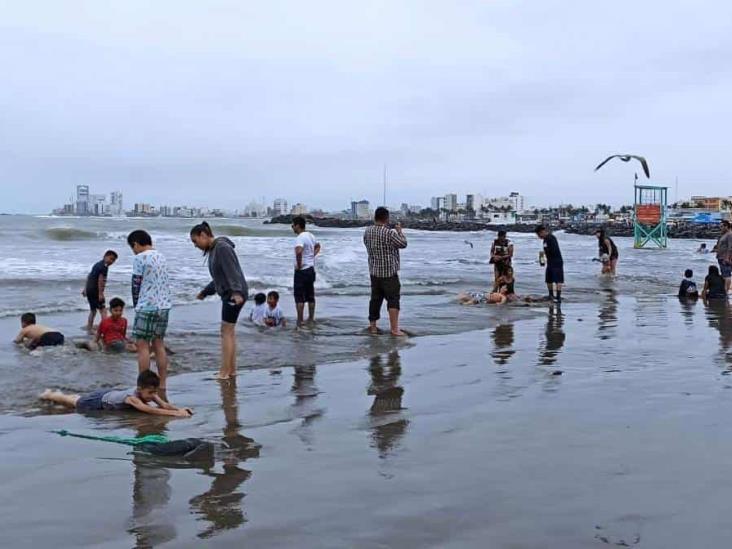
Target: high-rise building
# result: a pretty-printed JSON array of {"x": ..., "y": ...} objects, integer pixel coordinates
[
  {"x": 518, "y": 202},
  {"x": 470, "y": 202},
  {"x": 97, "y": 204},
  {"x": 280, "y": 207},
  {"x": 437, "y": 203},
  {"x": 451, "y": 202},
  {"x": 116, "y": 207},
  {"x": 299, "y": 209},
  {"x": 82, "y": 200},
  {"x": 360, "y": 209}
]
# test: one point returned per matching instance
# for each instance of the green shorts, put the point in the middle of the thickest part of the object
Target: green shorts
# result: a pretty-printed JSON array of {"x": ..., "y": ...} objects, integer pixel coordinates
[{"x": 150, "y": 325}]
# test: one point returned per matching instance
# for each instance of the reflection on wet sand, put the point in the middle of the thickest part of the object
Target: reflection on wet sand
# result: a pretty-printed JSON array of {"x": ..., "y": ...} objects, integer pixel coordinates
[
  {"x": 554, "y": 337},
  {"x": 720, "y": 317},
  {"x": 221, "y": 505},
  {"x": 607, "y": 316},
  {"x": 688, "y": 309},
  {"x": 388, "y": 427},
  {"x": 305, "y": 392},
  {"x": 503, "y": 338},
  {"x": 151, "y": 492}
]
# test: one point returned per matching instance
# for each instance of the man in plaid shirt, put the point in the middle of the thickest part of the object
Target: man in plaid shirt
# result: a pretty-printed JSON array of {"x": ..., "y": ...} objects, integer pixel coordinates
[{"x": 383, "y": 245}]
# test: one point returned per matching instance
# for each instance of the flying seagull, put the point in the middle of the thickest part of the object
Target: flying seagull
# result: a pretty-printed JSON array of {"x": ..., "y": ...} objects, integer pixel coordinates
[{"x": 626, "y": 158}]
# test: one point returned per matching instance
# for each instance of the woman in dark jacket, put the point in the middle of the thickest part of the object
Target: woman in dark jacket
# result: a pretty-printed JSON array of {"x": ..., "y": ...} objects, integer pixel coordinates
[{"x": 229, "y": 283}]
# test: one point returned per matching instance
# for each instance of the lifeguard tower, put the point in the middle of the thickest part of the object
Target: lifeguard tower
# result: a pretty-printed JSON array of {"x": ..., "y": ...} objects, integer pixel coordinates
[{"x": 649, "y": 220}]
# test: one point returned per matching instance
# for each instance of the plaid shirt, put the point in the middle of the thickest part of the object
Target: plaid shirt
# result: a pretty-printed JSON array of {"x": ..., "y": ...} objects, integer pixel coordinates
[{"x": 383, "y": 245}]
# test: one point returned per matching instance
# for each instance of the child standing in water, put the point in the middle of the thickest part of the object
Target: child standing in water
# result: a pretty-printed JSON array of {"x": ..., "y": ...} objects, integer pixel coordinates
[
  {"x": 151, "y": 298},
  {"x": 139, "y": 398},
  {"x": 96, "y": 282}
]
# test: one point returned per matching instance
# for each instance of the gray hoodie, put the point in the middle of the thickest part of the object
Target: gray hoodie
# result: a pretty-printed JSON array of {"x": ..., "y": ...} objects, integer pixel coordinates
[{"x": 223, "y": 264}]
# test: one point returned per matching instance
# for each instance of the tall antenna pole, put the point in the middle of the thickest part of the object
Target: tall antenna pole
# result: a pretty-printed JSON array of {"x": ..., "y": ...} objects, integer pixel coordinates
[
  {"x": 676, "y": 190},
  {"x": 384, "y": 203}
]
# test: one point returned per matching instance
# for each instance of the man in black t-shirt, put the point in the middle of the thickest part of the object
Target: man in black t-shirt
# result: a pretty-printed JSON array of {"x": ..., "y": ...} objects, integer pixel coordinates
[
  {"x": 96, "y": 281},
  {"x": 554, "y": 263}
]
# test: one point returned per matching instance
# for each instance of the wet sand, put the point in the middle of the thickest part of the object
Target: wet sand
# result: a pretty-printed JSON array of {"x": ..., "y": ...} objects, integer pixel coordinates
[{"x": 460, "y": 440}]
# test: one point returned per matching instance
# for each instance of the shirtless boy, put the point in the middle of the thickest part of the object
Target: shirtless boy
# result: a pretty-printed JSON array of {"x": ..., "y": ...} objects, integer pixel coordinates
[{"x": 34, "y": 335}]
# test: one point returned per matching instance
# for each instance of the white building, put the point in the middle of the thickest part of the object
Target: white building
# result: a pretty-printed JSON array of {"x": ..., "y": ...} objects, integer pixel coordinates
[
  {"x": 518, "y": 201},
  {"x": 116, "y": 206},
  {"x": 82, "y": 200},
  {"x": 451, "y": 202},
  {"x": 280, "y": 207},
  {"x": 255, "y": 209},
  {"x": 500, "y": 218},
  {"x": 299, "y": 209},
  {"x": 437, "y": 203},
  {"x": 361, "y": 209},
  {"x": 97, "y": 205}
]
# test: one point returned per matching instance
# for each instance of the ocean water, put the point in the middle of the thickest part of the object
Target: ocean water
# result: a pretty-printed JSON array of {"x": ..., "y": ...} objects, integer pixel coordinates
[
  {"x": 592, "y": 424},
  {"x": 45, "y": 262}
]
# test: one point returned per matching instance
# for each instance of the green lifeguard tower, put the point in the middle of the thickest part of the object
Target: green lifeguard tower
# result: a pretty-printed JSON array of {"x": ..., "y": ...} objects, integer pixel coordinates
[{"x": 649, "y": 219}]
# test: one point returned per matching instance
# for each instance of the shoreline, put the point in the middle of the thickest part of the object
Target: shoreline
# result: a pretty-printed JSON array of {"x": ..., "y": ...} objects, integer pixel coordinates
[{"x": 344, "y": 448}]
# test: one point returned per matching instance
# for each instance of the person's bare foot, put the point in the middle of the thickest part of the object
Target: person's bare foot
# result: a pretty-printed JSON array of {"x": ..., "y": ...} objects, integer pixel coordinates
[
  {"x": 45, "y": 395},
  {"x": 373, "y": 330},
  {"x": 398, "y": 333},
  {"x": 221, "y": 376}
]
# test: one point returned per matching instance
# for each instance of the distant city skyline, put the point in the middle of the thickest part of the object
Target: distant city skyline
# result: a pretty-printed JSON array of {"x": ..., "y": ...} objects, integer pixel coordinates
[{"x": 466, "y": 97}]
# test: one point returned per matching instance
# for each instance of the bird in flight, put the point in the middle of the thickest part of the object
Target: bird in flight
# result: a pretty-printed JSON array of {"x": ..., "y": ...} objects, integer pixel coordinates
[{"x": 627, "y": 158}]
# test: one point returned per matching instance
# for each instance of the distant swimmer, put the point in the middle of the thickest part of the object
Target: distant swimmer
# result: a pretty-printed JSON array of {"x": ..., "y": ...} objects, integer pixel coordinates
[
  {"x": 608, "y": 252},
  {"x": 34, "y": 335},
  {"x": 469, "y": 243},
  {"x": 702, "y": 249}
]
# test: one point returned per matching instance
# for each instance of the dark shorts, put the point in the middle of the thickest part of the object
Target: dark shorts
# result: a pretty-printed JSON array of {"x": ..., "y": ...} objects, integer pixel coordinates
[
  {"x": 91, "y": 401},
  {"x": 230, "y": 311},
  {"x": 304, "y": 286},
  {"x": 384, "y": 288},
  {"x": 49, "y": 339},
  {"x": 725, "y": 269},
  {"x": 95, "y": 304},
  {"x": 554, "y": 274},
  {"x": 119, "y": 346}
]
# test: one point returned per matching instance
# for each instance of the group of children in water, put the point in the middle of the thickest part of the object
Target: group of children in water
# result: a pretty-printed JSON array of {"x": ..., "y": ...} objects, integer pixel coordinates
[
  {"x": 152, "y": 300},
  {"x": 714, "y": 285}
]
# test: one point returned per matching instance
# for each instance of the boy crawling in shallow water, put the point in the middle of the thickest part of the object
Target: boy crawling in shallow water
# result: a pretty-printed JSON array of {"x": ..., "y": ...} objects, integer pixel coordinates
[
  {"x": 139, "y": 398},
  {"x": 34, "y": 335}
]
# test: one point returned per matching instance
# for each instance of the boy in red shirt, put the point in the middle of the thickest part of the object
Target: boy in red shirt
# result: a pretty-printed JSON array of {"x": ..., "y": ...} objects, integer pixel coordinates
[{"x": 112, "y": 331}]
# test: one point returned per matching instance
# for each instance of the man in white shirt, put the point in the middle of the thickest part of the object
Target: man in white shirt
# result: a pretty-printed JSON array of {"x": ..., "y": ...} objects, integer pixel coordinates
[{"x": 306, "y": 248}]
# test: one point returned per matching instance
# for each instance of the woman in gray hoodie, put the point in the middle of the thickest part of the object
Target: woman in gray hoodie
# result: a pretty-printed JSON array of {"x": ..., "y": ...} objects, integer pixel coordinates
[{"x": 229, "y": 283}]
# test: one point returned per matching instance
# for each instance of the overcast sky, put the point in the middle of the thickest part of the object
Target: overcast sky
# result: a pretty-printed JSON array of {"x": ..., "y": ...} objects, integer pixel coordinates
[{"x": 215, "y": 103}]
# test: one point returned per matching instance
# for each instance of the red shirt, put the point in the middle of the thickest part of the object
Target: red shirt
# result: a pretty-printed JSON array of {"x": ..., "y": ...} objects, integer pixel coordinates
[{"x": 112, "y": 330}]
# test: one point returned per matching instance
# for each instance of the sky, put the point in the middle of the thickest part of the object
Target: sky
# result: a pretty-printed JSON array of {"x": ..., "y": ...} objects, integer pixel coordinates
[{"x": 217, "y": 103}]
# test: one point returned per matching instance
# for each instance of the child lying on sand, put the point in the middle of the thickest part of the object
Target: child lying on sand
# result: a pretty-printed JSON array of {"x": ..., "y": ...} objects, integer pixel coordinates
[{"x": 139, "y": 398}]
